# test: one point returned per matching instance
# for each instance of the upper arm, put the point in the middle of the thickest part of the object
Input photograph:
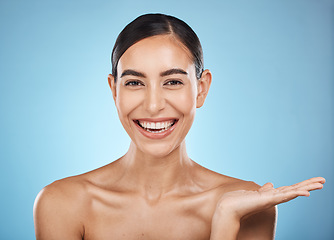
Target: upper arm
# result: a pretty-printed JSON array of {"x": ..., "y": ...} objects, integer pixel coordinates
[
  {"x": 56, "y": 215},
  {"x": 259, "y": 226}
]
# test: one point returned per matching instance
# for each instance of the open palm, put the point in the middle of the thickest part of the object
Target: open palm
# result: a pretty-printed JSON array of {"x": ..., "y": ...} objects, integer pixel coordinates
[{"x": 242, "y": 202}]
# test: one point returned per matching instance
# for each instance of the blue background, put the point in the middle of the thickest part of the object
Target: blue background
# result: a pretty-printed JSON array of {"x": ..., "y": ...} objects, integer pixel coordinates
[{"x": 269, "y": 115}]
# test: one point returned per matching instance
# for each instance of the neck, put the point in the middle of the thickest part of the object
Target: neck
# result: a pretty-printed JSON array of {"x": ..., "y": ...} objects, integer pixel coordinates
[{"x": 155, "y": 176}]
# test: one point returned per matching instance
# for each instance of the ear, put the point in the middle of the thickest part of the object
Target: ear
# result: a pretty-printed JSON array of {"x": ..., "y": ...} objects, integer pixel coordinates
[
  {"x": 112, "y": 85},
  {"x": 203, "y": 87}
]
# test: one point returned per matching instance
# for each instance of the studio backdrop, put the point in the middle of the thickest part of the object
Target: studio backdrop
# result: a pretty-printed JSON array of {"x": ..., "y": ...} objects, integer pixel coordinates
[{"x": 269, "y": 115}]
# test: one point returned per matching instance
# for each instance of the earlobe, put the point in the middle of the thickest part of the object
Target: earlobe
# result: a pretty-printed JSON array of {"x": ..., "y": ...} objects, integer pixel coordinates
[
  {"x": 112, "y": 85},
  {"x": 203, "y": 87}
]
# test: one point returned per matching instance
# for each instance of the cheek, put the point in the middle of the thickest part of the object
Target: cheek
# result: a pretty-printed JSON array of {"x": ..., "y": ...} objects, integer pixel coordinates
[
  {"x": 126, "y": 102},
  {"x": 185, "y": 101}
]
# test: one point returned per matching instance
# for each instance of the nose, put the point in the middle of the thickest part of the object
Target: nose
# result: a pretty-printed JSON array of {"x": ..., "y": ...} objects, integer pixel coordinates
[{"x": 154, "y": 100}]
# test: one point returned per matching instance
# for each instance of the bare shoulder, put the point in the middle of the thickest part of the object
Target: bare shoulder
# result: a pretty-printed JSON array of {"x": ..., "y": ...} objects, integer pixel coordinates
[
  {"x": 62, "y": 192},
  {"x": 223, "y": 183},
  {"x": 71, "y": 192},
  {"x": 62, "y": 208},
  {"x": 57, "y": 209}
]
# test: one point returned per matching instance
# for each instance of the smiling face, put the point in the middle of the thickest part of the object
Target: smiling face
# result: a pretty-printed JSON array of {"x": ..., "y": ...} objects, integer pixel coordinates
[{"x": 156, "y": 93}]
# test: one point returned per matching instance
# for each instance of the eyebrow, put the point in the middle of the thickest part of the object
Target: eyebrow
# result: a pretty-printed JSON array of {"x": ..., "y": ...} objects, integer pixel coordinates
[
  {"x": 168, "y": 72},
  {"x": 173, "y": 71},
  {"x": 133, "y": 73}
]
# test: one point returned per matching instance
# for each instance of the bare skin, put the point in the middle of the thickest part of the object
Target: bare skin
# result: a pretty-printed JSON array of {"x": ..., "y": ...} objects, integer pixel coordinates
[
  {"x": 155, "y": 191},
  {"x": 108, "y": 203},
  {"x": 236, "y": 205},
  {"x": 112, "y": 203}
]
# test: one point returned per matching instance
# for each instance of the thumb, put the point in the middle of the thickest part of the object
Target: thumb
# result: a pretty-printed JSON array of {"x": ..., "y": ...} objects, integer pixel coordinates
[{"x": 266, "y": 186}]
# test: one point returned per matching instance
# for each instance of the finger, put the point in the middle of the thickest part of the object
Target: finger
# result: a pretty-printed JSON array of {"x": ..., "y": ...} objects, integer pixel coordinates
[
  {"x": 309, "y": 186},
  {"x": 285, "y": 194},
  {"x": 303, "y": 183},
  {"x": 281, "y": 197},
  {"x": 319, "y": 179},
  {"x": 310, "y": 181},
  {"x": 266, "y": 186},
  {"x": 289, "y": 193},
  {"x": 312, "y": 186}
]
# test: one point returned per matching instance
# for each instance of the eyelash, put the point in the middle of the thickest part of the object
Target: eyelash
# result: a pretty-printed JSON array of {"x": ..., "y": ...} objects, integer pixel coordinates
[
  {"x": 134, "y": 83},
  {"x": 139, "y": 83},
  {"x": 173, "y": 82}
]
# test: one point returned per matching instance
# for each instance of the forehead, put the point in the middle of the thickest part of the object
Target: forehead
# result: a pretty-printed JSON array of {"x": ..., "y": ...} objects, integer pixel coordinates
[{"x": 156, "y": 53}]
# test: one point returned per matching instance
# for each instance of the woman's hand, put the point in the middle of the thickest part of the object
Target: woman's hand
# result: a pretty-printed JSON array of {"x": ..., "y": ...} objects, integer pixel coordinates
[{"x": 235, "y": 205}]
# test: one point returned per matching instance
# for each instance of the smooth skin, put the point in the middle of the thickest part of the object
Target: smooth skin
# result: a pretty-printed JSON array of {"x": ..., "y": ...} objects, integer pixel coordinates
[{"x": 155, "y": 191}]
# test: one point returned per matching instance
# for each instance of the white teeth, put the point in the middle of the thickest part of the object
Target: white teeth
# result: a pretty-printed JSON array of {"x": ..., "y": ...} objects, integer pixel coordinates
[{"x": 160, "y": 126}]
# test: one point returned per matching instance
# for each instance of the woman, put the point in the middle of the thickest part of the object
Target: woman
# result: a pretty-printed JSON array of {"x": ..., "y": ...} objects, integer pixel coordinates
[{"x": 155, "y": 191}]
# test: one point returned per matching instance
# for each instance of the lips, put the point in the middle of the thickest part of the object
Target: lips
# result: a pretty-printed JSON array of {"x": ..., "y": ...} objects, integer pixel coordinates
[{"x": 157, "y": 128}]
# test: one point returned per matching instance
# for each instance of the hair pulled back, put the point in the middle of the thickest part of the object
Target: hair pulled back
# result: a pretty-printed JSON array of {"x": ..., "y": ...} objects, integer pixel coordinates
[{"x": 149, "y": 25}]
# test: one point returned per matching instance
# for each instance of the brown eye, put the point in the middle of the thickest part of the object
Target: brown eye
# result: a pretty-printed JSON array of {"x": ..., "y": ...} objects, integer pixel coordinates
[
  {"x": 134, "y": 83},
  {"x": 174, "y": 82}
]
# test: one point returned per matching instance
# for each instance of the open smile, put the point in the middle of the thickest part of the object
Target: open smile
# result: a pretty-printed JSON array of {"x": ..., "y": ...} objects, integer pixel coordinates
[{"x": 156, "y": 129}]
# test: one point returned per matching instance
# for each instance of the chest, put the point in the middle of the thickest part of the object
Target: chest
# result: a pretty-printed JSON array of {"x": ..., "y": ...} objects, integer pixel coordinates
[{"x": 134, "y": 218}]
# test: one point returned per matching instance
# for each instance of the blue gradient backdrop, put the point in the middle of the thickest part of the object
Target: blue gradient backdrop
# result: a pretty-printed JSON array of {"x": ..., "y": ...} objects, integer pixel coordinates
[{"x": 269, "y": 115}]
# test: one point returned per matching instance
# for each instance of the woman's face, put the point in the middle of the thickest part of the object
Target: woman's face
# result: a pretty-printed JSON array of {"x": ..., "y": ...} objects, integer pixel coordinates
[{"x": 156, "y": 94}]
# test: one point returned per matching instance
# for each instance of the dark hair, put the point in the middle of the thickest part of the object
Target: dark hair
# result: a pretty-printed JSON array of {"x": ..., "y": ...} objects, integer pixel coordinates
[{"x": 149, "y": 25}]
